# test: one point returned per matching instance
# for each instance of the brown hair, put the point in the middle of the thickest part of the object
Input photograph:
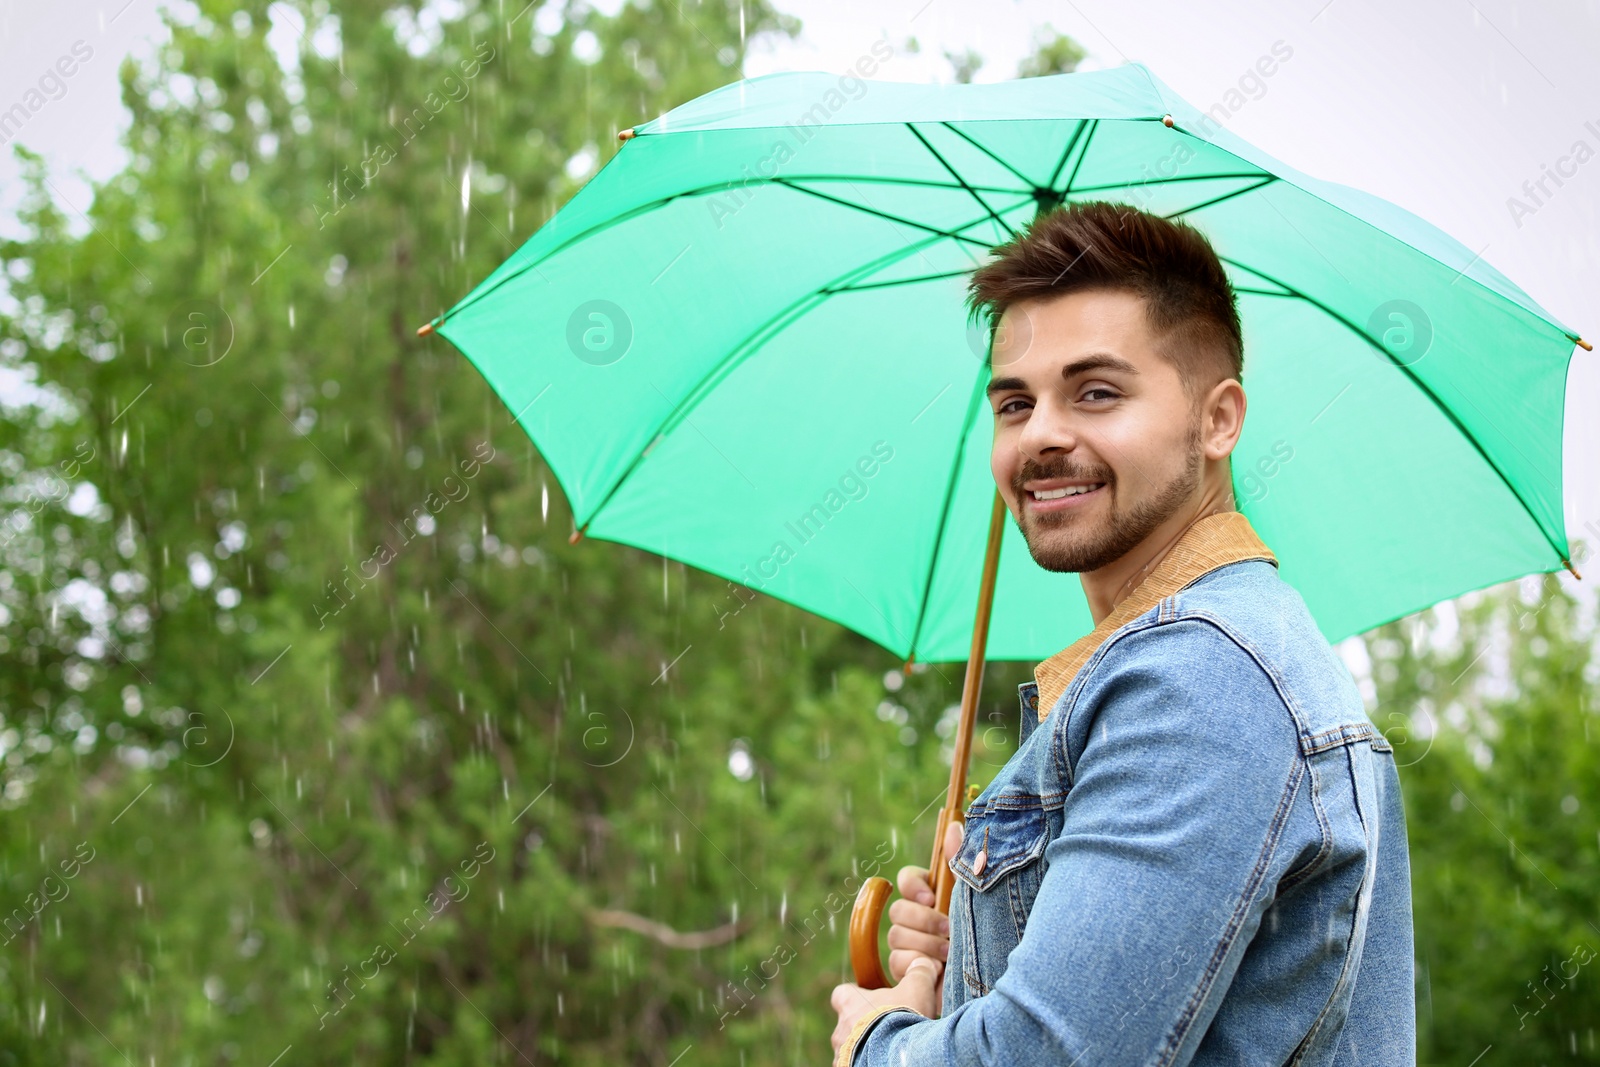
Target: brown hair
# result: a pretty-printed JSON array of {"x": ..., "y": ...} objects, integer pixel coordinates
[{"x": 1094, "y": 244}]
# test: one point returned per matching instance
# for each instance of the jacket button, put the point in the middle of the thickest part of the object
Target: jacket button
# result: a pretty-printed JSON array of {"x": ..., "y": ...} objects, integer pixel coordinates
[{"x": 979, "y": 863}]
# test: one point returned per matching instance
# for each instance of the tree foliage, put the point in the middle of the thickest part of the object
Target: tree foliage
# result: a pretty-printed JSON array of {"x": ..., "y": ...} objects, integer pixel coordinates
[
  {"x": 1053, "y": 53},
  {"x": 345, "y": 747},
  {"x": 319, "y": 739},
  {"x": 1493, "y": 717}
]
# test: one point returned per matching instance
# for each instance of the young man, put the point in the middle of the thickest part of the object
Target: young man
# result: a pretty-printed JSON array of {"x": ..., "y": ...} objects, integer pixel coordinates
[{"x": 1197, "y": 854}]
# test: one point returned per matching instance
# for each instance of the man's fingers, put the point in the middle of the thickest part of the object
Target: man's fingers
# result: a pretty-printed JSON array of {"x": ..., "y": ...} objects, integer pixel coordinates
[
  {"x": 937, "y": 948},
  {"x": 900, "y": 961},
  {"x": 952, "y": 840},
  {"x": 921, "y": 985},
  {"x": 913, "y": 885},
  {"x": 842, "y": 995},
  {"x": 919, "y": 917}
]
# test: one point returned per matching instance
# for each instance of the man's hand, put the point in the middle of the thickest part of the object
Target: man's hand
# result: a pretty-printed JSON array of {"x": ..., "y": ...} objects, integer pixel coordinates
[
  {"x": 919, "y": 944},
  {"x": 918, "y": 990},
  {"x": 917, "y": 928}
]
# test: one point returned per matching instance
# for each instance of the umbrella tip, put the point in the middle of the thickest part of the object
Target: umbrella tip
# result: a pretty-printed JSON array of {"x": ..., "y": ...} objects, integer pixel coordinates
[
  {"x": 626, "y": 135},
  {"x": 1166, "y": 120},
  {"x": 1585, "y": 345},
  {"x": 425, "y": 329},
  {"x": 577, "y": 534},
  {"x": 1567, "y": 563}
]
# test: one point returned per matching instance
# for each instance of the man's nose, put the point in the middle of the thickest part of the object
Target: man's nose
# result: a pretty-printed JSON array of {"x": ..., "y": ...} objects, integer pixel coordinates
[{"x": 1048, "y": 432}]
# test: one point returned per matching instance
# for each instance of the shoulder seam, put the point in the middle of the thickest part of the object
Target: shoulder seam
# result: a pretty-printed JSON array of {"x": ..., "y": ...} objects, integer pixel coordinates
[{"x": 1146, "y": 622}]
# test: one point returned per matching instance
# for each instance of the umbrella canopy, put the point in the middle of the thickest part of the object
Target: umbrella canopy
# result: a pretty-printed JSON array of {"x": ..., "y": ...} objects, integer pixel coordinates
[{"x": 743, "y": 345}]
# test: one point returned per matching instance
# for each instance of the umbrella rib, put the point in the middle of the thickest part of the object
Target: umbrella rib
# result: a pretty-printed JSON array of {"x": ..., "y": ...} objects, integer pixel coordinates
[
  {"x": 1268, "y": 180},
  {"x": 953, "y": 235},
  {"x": 1292, "y": 293},
  {"x": 886, "y": 180},
  {"x": 944, "y": 511},
  {"x": 707, "y": 190},
  {"x": 898, "y": 281},
  {"x": 1021, "y": 177},
  {"x": 1282, "y": 290},
  {"x": 1072, "y": 143},
  {"x": 1084, "y": 154},
  {"x": 1173, "y": 180},
  {"x": 795, "y": 309},
  {"x": 1259, "y": 292},
  {"x": 956, "y": 175}
]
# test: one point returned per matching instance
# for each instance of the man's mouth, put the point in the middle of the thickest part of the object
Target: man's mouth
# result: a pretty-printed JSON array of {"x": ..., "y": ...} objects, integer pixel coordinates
[
  {"x": 1066, "y": 490},
  {"x": 1056, "y": 497}
]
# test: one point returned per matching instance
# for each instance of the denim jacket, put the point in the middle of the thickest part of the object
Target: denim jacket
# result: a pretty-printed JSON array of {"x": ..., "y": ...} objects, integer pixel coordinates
[{"x": 1198, "y": 856}]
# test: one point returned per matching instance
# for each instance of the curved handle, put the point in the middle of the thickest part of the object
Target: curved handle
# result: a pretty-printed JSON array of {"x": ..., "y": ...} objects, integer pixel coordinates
[
  {"x": 867, "y": 914},
  {"x": 865, "y": 918}
]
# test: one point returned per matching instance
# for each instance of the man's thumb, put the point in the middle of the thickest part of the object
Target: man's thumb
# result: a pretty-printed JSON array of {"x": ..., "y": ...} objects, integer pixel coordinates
[
  {"x": 923, "y": 968},
  {"x": 952, "y": 839}
]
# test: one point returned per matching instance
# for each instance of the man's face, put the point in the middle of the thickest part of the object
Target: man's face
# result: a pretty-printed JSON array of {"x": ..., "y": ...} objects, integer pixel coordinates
[{"x": 1088, "y": 414}]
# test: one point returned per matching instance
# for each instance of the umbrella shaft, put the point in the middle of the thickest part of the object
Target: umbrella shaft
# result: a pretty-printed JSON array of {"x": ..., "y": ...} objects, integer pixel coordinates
[{"x": 955, "y": 799}]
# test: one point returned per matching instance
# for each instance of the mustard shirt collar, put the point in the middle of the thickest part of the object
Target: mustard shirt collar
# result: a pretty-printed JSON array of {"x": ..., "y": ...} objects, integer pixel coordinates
[{"x": 1210, "y": 542}]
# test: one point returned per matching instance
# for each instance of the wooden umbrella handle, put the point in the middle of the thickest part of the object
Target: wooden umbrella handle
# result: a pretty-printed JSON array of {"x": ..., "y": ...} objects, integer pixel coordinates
[
  {"x": 864, "y": 921},
  {"x": 867, "y": 915}
]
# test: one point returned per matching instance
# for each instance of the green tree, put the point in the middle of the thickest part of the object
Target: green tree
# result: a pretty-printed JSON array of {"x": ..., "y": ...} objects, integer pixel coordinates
[
  {"x": 963, "y": 65},
  {"x": 316, "y": 731},
  {"x": 1053, "y": 53},
  {"x": 1495, "y": 729}
]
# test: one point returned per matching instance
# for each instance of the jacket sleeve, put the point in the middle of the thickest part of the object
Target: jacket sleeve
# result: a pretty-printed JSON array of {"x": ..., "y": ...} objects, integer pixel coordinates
[{"x": 1169, "y": 854}]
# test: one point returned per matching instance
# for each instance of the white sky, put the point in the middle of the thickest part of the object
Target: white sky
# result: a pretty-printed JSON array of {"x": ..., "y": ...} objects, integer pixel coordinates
[{"x": 1445, "y": 107}]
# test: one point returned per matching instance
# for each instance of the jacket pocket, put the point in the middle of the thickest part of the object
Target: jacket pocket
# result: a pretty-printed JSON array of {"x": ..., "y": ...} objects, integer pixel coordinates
[
  {"x": 1007, "y": 834},
  {"x": 1001, "y": 866}
]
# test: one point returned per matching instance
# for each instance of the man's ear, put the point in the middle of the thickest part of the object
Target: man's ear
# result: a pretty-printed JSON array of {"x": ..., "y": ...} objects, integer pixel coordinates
[{"x": 1222, "y": 418}]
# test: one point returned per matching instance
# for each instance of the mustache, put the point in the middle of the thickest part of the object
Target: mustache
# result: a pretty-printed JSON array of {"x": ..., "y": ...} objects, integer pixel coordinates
[{"x": 1031, "y": 471}]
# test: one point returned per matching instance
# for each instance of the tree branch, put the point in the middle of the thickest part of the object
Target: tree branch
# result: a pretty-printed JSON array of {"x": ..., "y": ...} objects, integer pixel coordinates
[{"x": 627, "y": 920}]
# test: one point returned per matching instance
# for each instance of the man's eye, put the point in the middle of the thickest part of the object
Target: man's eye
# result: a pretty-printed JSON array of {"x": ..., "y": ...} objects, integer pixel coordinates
[
  {"x": 1100, "y": 394},
  {"x": 1006, "y": 408}
]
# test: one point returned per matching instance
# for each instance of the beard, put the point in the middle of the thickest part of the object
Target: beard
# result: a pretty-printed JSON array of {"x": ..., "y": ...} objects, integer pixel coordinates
[{"x": 1091, "y": 549}]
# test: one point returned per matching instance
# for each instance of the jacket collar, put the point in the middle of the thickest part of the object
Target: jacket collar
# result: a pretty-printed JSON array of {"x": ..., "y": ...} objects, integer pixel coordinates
[{"x": 1210, "y": 542}]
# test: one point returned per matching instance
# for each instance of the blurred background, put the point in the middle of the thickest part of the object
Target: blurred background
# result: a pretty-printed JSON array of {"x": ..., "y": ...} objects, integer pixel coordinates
[{"x": 274, "y": 796}]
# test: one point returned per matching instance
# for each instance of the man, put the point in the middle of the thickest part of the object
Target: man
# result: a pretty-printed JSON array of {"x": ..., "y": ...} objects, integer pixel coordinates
[{"x": 1197, "y": 854}]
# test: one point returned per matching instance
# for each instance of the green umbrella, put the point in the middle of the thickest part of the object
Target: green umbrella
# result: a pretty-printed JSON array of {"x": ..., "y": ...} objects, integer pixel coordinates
[{"x": 743, "y": 345}]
